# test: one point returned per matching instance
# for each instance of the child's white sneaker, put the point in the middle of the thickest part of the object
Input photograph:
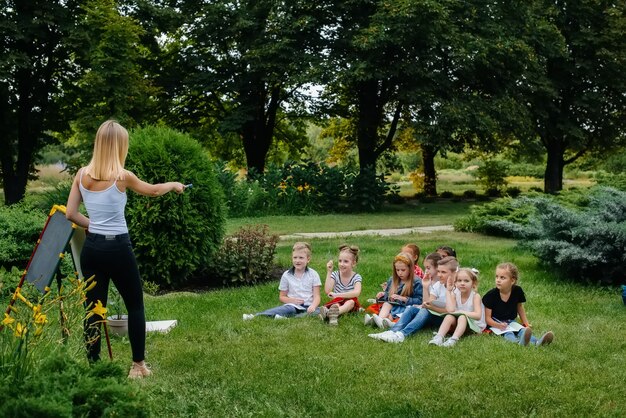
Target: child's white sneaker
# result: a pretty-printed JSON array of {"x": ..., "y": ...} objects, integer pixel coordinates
[
  {"x": 248, "y": 316},
  {"x": 387, "y": 323},
  {"x": 367, "y": 320},
  {"x": 450, "y": 342},
  {"x": 437, "y": 340},
  {"x": 378, "y": 321},
  {"x": 546, "y": 338},
  {"x": 379, "y": 335},
  {"x": 280, "y": 317},
  {"x": 393, "y": 337}
]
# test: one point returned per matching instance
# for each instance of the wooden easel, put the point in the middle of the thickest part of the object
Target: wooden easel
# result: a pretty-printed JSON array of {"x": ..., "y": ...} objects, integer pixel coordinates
[{"x": 57, "y": 236}]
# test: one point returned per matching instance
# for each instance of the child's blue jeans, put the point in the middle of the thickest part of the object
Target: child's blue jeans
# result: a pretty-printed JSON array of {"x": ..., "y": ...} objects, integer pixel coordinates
[
  {"x": 413, "y": 319},
  {"x": 285, "y": 310},
  {"x": 514, "y": 337}
]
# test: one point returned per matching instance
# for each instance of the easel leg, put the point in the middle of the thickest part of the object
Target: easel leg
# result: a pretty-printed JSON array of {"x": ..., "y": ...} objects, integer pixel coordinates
[
  {"x": 106, "y": 334},
  {"x": 64, "y": 330}
]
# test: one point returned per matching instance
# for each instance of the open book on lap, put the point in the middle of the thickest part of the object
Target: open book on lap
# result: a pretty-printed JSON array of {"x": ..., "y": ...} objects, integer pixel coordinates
[{"x": 512, "y": 327}]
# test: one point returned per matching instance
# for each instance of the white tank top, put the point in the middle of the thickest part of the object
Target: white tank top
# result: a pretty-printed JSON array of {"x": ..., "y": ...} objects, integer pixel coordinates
[
  {"x": 105, "y": 209},
  {"x": 469, "y": 306}
]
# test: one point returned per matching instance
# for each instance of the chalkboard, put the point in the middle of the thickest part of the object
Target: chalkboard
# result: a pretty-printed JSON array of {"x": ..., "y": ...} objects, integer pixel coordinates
[{"x": 50, "y": 249}]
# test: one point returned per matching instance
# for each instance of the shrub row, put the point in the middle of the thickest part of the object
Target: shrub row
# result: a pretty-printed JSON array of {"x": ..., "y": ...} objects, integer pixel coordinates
[
  {"x": 303, "y": 188},
  {"x": 582, "y": 235}
]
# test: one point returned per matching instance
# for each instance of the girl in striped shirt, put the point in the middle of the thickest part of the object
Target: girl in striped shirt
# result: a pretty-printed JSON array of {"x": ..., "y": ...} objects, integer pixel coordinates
[{"x": 342, "y": 286}]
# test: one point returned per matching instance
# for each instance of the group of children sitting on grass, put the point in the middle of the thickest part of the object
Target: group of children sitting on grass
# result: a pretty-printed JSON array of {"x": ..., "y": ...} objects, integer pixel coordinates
[{"x": 443, "y": 294}]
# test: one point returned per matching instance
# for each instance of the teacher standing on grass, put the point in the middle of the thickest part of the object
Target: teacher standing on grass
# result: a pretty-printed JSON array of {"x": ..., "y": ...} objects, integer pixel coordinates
[{"x": 107, "y": 253}]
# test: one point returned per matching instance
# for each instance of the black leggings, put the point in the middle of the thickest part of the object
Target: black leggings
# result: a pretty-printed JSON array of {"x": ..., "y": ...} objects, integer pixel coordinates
[{"x": 111, "y": 257}]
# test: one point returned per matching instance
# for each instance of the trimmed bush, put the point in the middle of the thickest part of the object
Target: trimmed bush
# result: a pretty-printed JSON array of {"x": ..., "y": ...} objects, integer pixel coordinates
[
  {"x": 9, "y": 279},
  {"x": 173, "y": 235},
  {"x": 246, "y": 257},
  {"x": 585, "y": 245},
  {"x": 585, "y": 242},
  {"x": 488, "y": 218},
  {"x": 20, "y": 225}
]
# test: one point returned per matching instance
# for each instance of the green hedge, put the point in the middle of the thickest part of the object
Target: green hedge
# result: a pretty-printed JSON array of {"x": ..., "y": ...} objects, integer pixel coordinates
[
  {"x": 303, "y": 188},
  {"x": 20, "y": 225},
  {"x": 173, "y": 235}
]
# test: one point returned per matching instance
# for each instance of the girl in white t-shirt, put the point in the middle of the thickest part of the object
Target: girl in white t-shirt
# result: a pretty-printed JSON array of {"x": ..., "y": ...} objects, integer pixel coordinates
[{"x": 464, "y": 308}]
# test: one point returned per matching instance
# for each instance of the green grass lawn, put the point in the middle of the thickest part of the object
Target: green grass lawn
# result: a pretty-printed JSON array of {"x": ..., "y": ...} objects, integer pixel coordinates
[
  {"x": 395, "y": 216},
  {"x": 213, "y": 364}
]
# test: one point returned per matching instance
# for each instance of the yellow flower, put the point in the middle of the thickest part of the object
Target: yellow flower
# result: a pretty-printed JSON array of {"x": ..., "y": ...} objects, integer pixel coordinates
[
  {"x": 99, "y": 310},
  {"x": 41, "y": 319},
  {"x": 282, "y": 185},
  {"x": 20, "y": 330},
  {"x": 300, "y": 188},
  {"x": 90, "y": 286},
  {"x": 7, "y": 320}
]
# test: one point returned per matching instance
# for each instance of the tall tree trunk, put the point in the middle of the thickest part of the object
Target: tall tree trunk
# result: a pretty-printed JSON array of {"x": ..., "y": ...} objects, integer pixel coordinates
[
  {"x": 257, "y": 133},
  {"x": 369, "y": 116},
  {"x": 256, "y": 144},
  {"x": 553, "y": 176},
  {"x": 430, "y": 174},
  {"x": 18, "y": 152}
]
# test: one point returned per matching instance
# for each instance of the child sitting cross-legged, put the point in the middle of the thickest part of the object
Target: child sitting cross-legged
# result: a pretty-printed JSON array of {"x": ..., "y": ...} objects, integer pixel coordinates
[
  {"x": 416, "y": 317},
  {"x": 464, "y": 307},
  {"x": 299, "y": 288},
  {"x": 505, "y": 303},
  {"x": 342, "y": 286},
  {"x": 403, "y": 290}
]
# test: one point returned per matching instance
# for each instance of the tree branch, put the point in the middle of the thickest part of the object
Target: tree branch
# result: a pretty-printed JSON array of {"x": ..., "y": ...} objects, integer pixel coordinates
[{"x": 391, "y": 133}]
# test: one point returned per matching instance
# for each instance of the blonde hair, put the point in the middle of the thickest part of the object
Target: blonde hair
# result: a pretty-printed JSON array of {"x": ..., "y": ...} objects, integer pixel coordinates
[
  {"x": 109, "y": 152},
  {"x": 471, "y": 272},
  {"x": 407, "y": 290},
  {"x": 352, "y": 249},
  {"x": 302, "y": 246},
  {"x": 511, "y": 268}
]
